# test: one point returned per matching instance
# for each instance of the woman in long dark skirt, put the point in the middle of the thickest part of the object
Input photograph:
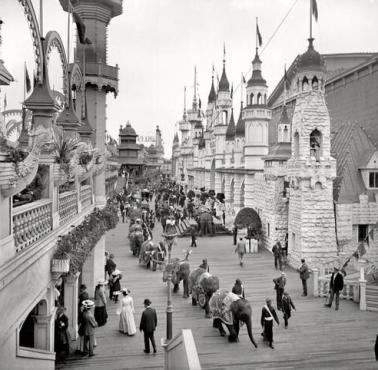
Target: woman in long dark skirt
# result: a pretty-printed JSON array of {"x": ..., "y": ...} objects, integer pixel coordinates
[{"x": 100, "y": 313}]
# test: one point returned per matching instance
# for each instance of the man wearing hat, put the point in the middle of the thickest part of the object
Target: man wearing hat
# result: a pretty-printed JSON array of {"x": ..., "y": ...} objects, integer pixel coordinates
[
  {"x": 336, "y": 285},
  {"x": 279, "y": 286},
  {"x": 304, "y": 274},
  {"x": 88, "y": 326},
  {"x": 148, "y": 324},
  {"x": 268, "y": 313}
]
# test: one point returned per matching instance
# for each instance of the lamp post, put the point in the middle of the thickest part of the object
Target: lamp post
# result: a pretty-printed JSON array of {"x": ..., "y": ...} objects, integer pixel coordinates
[{"x": 169, "y": 235}]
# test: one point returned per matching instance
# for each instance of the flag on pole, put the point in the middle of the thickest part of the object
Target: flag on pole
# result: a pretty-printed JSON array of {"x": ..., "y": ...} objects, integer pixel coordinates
[
  {"x": 27, "y": 80},
  {"x": 81, "y": 29},
  {"x": 258, "y": 34},
  {"x": 314, "y": 9}
]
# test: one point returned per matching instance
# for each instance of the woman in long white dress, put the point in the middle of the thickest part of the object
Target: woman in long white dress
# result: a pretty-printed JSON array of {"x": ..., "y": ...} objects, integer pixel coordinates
[{"x": 126, "y": 317}]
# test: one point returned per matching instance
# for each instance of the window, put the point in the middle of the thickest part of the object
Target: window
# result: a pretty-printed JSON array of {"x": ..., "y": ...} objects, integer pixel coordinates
[
  {"x": 315, "y": 145},
  {"x": 251, "y": 99},
  {"x": 224, "y": 117},
  {"x": 259, "y": 98},
  {"x": 373, "y": 179},
  {"x": 363, "y": 233},
  {"x": 296, "y": 145},
  {"x": 285, "y": 192}
]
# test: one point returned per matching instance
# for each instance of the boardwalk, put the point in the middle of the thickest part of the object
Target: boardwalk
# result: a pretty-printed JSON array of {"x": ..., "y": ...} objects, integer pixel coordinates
[{"x": 317, "y": 337}]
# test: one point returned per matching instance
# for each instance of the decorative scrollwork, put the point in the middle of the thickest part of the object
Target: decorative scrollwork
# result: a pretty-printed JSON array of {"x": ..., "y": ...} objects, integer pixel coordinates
[{"x": 36, "y": 36}]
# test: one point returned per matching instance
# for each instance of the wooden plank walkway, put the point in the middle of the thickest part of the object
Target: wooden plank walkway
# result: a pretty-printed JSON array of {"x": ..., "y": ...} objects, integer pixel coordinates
[{"x": 317, "y": 337}]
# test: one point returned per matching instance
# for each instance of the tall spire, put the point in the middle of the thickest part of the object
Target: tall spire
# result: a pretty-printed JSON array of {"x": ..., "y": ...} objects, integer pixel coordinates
[
  {"x": 212, "y": 94},
  {"x": 224, "y": 85},
  {"x": 195, "y": 88},
  {"x": 184, "y": 115}
]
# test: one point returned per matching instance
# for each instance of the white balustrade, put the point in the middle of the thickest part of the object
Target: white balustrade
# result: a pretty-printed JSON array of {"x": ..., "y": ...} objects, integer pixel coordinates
[
  {"x": 67, "y": 206},
  {"x": 31, "y": 222},
  {"x": 86, "y": 196}
]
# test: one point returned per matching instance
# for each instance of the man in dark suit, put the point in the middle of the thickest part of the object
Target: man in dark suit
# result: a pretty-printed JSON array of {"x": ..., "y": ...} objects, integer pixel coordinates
[
  {"x": 148, "y": 324},
  {"x": 89, "y": 324},
  {"x": 336, "y": 285}
]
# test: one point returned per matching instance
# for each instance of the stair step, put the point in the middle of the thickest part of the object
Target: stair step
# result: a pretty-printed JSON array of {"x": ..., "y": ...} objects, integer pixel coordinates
[{"x": 372, "y": 308}]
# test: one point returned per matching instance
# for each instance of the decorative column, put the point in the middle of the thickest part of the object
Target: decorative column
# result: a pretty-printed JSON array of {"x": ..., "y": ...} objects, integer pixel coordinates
[
  {"x": 227, "y": 188},
  {"x": 218, "y": 182},
  {"x": 44, "y": 332},
  {"x": 71, "y": 294}
]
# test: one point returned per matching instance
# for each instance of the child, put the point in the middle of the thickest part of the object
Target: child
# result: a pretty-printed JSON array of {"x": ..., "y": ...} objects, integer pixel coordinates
[{"x": 287, "y": 304}]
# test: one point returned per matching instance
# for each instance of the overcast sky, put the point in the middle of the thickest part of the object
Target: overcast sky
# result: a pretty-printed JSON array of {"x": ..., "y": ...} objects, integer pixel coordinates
[{"x": 156, "y": 44}]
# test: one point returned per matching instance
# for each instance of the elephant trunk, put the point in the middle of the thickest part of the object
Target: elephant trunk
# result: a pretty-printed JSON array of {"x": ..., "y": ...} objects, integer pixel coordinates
[{"x": 248, "y": 323}]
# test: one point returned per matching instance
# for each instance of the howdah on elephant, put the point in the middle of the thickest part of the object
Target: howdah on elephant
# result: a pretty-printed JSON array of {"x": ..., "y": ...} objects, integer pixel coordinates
[
  {"x": 180, "y": 270},
  {"x": 229, "y": 309},
  {"x": 152, "y": 253},
  {"x": 202, "y": 285}
]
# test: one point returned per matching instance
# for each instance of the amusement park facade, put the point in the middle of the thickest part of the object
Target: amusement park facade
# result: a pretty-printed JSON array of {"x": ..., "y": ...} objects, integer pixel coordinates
[
  {"x": 303, "y": 158},
  {"x": 32, "y": 281}
]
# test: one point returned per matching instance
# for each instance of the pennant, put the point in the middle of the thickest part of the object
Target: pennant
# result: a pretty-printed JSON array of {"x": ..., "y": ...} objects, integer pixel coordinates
[
  {"x": 81, "y": 29},
  {"x": 27, "y": 80},
  {"x": 315, "y": 9},
  {"x": 258, "y": 34}
]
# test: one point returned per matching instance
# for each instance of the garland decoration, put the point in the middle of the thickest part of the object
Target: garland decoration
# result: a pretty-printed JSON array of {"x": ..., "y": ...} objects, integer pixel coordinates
[{"x": 78, "y": 243}]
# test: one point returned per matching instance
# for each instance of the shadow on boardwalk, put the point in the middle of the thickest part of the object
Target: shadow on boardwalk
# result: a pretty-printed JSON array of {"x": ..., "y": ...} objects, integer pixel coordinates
[{"x": 317, "y": 337}]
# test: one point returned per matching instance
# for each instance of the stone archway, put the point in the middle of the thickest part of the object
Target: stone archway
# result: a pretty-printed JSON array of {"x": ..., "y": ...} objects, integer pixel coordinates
[
  {"x": 248, "y": 218},
  {"x": 212, "y": 175}
]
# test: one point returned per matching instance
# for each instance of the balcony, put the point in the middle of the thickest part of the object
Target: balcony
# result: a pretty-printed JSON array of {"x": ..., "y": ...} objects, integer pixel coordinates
[
  {"x": 102, "y": 75},
  {"x": 67, "y": 206},
  {"x": 86, "y": 196}
]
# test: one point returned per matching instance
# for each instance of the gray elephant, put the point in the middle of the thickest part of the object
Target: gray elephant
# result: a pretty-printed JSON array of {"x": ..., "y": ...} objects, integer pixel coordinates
[
  {"x": 180, "y": 270},
  {"x": 229, "y": 309},
  {"x": 136, "y": 240},
  {"x": 205, "y": 221},
  {"x": 202, "y": 285},
  {"x": 146, "y": 253},
  {"x": 158, "y": 255}
]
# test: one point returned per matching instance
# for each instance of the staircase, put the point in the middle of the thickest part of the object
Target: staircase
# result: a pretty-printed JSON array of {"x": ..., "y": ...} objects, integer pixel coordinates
[{"x": 372, "y": 297}]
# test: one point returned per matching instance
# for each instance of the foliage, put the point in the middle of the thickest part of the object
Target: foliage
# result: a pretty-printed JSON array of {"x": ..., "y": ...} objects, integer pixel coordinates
[
  {"x": 64, "y": 146},
  {"x": 248, "y": 217},
  {"x": 16, "y": 155},
  {"x": 78, "y": 243}
]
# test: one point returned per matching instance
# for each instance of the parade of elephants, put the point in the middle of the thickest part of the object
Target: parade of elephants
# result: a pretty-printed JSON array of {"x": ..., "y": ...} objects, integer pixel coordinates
[{"x": 196, "y": 213}]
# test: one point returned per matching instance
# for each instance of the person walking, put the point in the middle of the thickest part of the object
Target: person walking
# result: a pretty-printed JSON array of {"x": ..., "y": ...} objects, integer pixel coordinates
[
  {"x": 268, "y": 313},
  {"x": 235, "y": 234},
  {"x": 287, "y": 305},
  {"x": 100, "y": 314},
  {"x": 240, "y": 250},
  {"x": 115, "y": 285},
  {"x": 148, "y": 325},
  {"x": 277, "y": 252},
  {"x": 193, "y": 235},
  {"x": 336, "y": 284},
  {"x": 238, "y": 289},
  {"x": 122, "y": 209},
  {"x": 279, "y": 286},
  {"x": 126, "y": 317},
  {"x": 304, "y": 274},
  {"x": 224, "y": 217},
  {"x": 88, "y": 327},
  {"x": 110, "y": 265}
]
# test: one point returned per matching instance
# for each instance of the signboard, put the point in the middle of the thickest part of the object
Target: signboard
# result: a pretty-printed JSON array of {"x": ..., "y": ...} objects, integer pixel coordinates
[{"x": 147, "y": 139}]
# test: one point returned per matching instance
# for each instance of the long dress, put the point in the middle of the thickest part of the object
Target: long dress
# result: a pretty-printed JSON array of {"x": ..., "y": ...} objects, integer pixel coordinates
[{"x": 126, "y": 318}]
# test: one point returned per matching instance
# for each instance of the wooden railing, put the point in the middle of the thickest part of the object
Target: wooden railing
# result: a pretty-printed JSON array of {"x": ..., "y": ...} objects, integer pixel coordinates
[
  {"x": 31, "y": 222},
  {"x": 86, "y": 196},
  {"x": 67, "y": 206}
]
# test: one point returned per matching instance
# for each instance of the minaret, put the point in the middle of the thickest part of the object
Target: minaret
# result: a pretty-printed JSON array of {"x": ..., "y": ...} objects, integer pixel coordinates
[
  {"x": 96, "y": 15},
  {"x": 184, "y": 125},
  {"x": 257, "y": 117},
  {"x": 195, "y": 114},
  {"x": 311, "y": 169}
]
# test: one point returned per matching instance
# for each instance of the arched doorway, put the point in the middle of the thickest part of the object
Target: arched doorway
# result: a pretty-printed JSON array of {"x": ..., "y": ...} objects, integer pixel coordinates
[{"x": 212, "y": 175}]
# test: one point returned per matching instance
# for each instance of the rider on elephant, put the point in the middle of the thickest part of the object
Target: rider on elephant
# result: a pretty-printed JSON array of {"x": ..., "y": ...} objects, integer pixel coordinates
[
  {"x": 202, "y": 287},
  {"x": 229, "y": 309},
  {"x": 146, "y": 252},
  {"x": 158, "y": 255},
  {"x": 180, "y": 270}
]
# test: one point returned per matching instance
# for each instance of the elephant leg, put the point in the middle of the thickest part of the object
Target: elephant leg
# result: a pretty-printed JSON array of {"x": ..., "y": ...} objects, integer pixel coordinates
[
  {"x": 186, "y": 288},
  {"x": 237, "y": 328},
  {"x": 207, "y": 308},
  {"x": 217, "y": 324},
  {"x": 176, "y": 288},
  {"x": 148, "y": 265},
  {"x": 154, "y": 265},
  {"x": 232, "y": 337},
  {"x": 194, "y": 301}
]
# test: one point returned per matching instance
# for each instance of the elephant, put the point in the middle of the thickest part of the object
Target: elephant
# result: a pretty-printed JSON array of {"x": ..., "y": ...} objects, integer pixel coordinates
[
  {"x": 158, "y": 255},
  {"x": 229, "y": 309},
  {"x": 146, "y": 252},
  {"x": 202, "y": 285},
  {"x": 136, "y": 240},
  {"x": 152, "y": 252},
  {"x": 205, "y": 221},
  {"x": 180, "y": 270}
]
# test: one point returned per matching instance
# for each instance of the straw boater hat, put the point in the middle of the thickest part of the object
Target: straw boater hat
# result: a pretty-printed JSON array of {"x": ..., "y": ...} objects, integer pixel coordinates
[
  {"x": 116, "y": 272},
  {"x": 88, "y": 303},
  {"x": 125, "y": 290},
  {"x": 102, "y": 282}
]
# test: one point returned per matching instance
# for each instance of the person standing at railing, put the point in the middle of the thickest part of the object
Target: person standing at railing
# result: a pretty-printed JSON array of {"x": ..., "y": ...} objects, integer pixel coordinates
[
  {"x": 336, "y": 285},
  {"x": 304, "y": 274}
]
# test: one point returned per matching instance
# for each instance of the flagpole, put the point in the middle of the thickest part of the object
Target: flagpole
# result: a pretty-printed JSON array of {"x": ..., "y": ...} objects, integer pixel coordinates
[
  {"x": 68, "y": 30},
  {"x": 257, "y": 41},
  {"x": 241, "y": 89},
  {"x": 311, "y": 10}
]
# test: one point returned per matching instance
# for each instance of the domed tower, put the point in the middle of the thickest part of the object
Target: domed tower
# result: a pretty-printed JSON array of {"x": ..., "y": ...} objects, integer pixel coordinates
[
  {"x": 256, "y": 116},
  {"x": 311, "y": 169}
]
